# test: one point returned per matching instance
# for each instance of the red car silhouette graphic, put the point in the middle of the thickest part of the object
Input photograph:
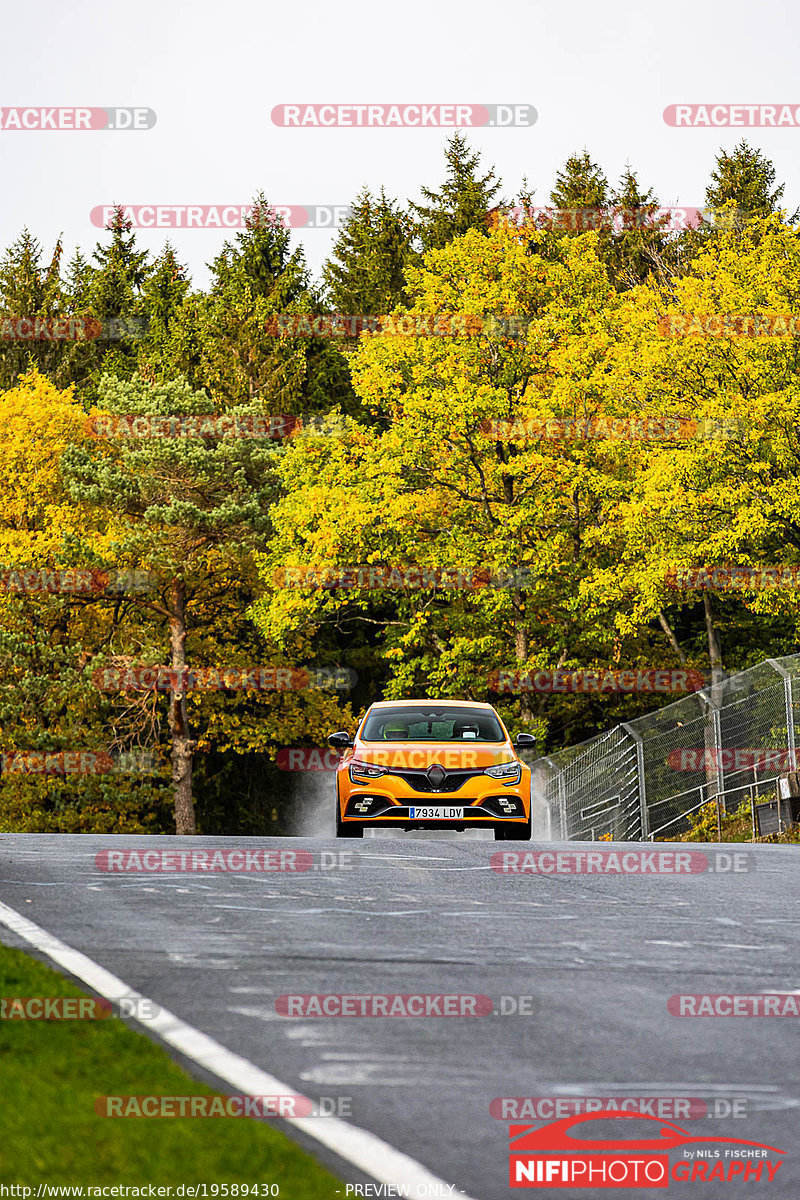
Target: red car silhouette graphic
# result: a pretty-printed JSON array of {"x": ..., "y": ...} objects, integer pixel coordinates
[{"x": 557, "y": 1136}]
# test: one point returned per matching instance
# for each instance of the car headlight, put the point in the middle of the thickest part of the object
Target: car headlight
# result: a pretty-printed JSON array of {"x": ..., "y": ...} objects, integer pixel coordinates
[
  {"x": 509, "y": 772},
  {"x": 361, "y": 771}
]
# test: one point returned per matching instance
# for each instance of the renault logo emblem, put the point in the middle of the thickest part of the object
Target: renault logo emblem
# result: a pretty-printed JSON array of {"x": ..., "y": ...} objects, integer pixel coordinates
[{"x": 436, "y": 775}]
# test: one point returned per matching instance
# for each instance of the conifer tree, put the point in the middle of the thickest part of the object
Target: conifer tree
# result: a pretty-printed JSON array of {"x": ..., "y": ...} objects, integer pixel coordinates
[
  {"x": 366, "y": 270},
  {"x": 639, "y": 246},
  {"x": 581, "y": 184},
  {"x": 28, "y": 291},
  {"x": 464, "y": 201},
  {"x": 744, "y": 178}
]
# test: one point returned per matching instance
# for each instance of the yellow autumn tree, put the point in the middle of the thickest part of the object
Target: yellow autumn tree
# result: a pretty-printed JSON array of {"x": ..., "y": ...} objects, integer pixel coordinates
[
  {"x": 444, "y": 480},
  {"x": 729, "y": 493},
  {"x": 46, "y": 702}
]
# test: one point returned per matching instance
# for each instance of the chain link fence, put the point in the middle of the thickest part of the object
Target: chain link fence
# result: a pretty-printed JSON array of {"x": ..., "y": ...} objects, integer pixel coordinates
[{"x": 642, "y": 780}]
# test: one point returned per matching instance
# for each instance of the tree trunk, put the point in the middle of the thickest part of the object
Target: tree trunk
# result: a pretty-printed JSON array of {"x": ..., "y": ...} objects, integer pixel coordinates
[
  {"x": 673, "y": 641},
  {"x": 714, "y": 648},
  {"x": 521, "y": 650},
  {"x": 182, "y": 744}
]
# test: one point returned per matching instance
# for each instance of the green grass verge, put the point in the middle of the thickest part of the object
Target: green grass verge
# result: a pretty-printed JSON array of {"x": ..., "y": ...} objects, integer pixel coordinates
[{"x": 51, "y": 1073}]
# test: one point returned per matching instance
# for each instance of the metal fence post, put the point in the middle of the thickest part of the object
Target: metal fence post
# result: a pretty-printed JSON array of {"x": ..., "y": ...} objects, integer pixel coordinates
[
  {"x": 716, "y": 722},
  {"x": 788, "y": 701},
  {"x": 560, "y": 790},
  {"x": 644, "y": 819},
  {"x": 554, "y": 769},
  {"x": 716, "y": 728}
]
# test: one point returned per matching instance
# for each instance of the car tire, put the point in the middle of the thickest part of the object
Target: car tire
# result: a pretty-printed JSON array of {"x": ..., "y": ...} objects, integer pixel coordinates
[
  {"x": 513, "y": 833},
  {"x": 346, "y": 830},
  {"x": 349, "y": 831}
]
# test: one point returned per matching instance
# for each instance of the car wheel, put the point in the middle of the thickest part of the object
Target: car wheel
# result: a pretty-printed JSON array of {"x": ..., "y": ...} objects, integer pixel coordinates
[{"x": 513, "y": 833}]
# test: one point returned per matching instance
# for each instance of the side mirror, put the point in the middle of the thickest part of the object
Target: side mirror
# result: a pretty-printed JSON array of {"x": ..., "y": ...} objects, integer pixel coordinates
[
  {"x": 340, "y": 740},
  {"x": 524, "y": 739}
]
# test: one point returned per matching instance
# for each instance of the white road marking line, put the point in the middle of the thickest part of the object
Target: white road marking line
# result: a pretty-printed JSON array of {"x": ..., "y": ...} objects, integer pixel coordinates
[
  {"x": 302, "y": 912},
  {"x": 361, "y": 1149},
  {"x": 403, "y": 858}
]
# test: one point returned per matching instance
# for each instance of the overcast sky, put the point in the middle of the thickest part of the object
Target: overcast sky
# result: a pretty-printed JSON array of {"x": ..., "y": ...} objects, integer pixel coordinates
[{"x": 599, "y": 76}]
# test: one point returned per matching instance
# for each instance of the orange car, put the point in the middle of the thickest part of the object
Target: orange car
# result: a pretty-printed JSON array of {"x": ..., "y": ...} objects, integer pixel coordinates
[{"x": 432, "y": 764}]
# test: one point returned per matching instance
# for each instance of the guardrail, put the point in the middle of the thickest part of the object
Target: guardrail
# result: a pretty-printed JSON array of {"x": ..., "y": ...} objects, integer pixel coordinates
[{"x": 643, "y": 779}]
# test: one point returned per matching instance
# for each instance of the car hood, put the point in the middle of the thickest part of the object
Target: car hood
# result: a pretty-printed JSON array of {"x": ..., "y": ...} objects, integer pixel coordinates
[{"x": 418, "y": 756}]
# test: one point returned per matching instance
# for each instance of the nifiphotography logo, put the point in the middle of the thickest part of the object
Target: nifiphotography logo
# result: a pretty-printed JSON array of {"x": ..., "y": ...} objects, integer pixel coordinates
[{"x": 552, "y": 1156}]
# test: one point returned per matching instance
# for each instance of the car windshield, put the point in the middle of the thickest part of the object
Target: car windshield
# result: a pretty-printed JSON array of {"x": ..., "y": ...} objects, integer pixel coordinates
[{"x": 429, "y": 723}]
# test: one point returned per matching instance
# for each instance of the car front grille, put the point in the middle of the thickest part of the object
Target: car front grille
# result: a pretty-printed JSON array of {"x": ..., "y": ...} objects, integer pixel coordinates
[{"x": 452, "y": 782}]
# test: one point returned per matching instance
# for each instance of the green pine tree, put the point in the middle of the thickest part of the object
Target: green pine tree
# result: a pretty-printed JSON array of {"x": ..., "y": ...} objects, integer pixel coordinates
[
  {"x": 28, "y": 290},
  {"x": 80, "y": 359},
  {"x": 120, "y": 273},
  {"x": 639, "y": 246},
  {"x": 366, "y": 270},
  {"x": 581, "y": 184},
  {"x": 743, "y": 183},
  {"x": 742, "y": 189},
  {"x": 191, "y": 510},
  {"x": 110, "y": 293},
  {"x": 168, "y": 348},
  {"x": 464, "y": 201},
  {"x": 253, "y": 277}
]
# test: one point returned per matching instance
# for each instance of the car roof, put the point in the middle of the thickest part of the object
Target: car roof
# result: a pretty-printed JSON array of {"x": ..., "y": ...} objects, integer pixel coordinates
[{"x": 438, "y": 703}]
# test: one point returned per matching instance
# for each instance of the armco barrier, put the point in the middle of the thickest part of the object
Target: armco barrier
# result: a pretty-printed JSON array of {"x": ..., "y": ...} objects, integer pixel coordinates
[{"x": 731, "y": 741}]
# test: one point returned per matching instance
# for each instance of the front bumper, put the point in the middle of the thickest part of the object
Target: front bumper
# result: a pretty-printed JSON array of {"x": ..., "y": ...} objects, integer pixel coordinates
[{"x": 370, "y": 807}]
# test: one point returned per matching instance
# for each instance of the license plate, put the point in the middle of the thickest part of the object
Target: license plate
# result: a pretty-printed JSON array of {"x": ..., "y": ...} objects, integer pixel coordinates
[{"x": 436, "y": 814}]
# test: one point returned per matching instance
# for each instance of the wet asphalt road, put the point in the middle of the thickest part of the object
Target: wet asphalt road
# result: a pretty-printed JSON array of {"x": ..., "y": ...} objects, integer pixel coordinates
[{"x": 599, "y": 956}]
